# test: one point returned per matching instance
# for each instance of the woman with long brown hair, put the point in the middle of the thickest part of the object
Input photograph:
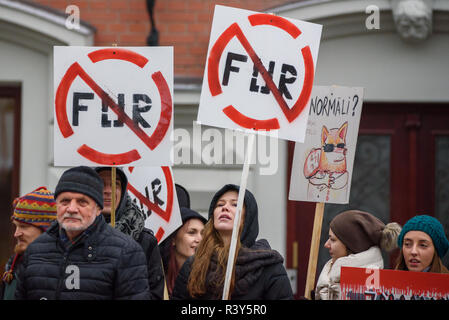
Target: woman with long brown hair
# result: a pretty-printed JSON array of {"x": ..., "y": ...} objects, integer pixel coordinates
[
  {"x": 258, "y": 272},
  {"x": 181, "y": 244}
]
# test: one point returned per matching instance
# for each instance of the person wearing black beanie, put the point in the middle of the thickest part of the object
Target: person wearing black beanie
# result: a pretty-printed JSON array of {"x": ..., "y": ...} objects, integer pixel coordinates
[
  {"x": 258, "y": 273},
  {"x": 82, "y": 180}
]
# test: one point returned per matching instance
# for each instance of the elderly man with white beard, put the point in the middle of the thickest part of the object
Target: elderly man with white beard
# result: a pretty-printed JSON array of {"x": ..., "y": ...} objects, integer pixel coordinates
[{"x": 82, "y": 257}]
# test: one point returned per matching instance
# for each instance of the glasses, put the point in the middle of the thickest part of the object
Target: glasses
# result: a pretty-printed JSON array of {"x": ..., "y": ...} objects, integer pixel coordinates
[{"x": 330, "y": 147}]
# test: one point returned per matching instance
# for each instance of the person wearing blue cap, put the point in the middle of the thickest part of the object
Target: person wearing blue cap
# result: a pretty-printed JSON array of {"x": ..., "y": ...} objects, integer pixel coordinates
[{"x": 423, "y": 243}]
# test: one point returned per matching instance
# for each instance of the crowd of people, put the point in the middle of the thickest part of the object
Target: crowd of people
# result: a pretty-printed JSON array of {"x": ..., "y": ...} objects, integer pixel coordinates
[{"x": 67, "y": 249}]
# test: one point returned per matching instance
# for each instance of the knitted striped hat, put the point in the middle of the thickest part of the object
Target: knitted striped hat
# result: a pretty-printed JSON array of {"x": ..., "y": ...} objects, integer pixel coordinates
[{"x": 37, "y": 208}]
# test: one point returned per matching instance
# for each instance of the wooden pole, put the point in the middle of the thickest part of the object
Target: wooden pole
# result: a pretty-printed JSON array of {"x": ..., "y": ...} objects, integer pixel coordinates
[
  {"x": 113, "y": 190},
  {"x": 113, "y": 186},
  {"x": 238, "y": 218},
  {"x": 314, "y": 249}
]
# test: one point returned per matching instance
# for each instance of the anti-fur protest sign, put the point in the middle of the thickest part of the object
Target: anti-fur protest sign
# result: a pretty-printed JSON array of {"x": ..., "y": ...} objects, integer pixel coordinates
[
  {"x": 153, "y": 190},
  {"x": 258, "y": 77},
  {"x": 259, "y": 72},
  {"x": 113, "y": 106},
  {"x": 322, "y": 165}
]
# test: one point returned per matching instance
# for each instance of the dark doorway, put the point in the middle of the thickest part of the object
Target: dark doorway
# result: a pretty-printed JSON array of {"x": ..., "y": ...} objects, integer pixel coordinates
[{"x": 10, "y": 106}]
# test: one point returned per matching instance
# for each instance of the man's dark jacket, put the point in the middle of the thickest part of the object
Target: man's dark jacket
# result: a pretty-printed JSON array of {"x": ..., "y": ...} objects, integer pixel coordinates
[
  {"x": 130, "y": 220},
  {"x": 103, "y": 264}
]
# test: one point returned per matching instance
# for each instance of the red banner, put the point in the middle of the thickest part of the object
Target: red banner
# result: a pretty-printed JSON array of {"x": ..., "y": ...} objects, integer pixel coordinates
[{"x": 381, "y": 284}]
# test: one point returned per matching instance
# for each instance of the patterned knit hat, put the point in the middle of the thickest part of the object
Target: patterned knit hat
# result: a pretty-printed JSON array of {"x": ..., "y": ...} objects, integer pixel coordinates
[
  {"x": 37, "y": 208},
  {"x": 432, "y": 227}
]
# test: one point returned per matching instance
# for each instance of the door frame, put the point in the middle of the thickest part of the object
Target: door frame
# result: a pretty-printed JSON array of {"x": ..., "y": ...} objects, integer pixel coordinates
[{"x": 15, "y": 92}]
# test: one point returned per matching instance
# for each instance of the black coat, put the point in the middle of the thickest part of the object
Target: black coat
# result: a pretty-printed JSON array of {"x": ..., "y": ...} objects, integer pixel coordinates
[
  {"x": 111, "y": 265},
  {"x": 130, "y": 220},
  {"x": 156, "y": 279},
  {"x": 259, "y": 272},
  {"x": 129, "y": 217}
]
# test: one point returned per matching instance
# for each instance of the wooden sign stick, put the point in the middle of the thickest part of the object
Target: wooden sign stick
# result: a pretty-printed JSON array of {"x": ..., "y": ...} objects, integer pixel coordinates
[
  {"x": 113, "y": 190},
  {"x": 238, "y": 218},
  {"x": 314, "y": 249},
  {"x": 113, "y": 186}
]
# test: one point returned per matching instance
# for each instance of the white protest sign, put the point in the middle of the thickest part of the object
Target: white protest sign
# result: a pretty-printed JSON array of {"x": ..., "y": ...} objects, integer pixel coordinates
[
  {"x": 113, "y": 106},
  {"x": 259, "y": 73},
  {"x": 322, "y": 165},
  {"x": 153, "y": 189}
]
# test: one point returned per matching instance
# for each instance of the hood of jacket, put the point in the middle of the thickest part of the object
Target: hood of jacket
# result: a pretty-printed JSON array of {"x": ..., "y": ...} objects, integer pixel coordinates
[
  {"x": 328, "y": 284},
  {"x": 120, "y": 175},
  {"x": 129, "y": 218},
  {"x": 251, "y": 221}
]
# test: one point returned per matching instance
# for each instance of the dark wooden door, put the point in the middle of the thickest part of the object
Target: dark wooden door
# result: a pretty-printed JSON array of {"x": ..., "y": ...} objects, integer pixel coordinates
[
  {"x": 9, "y": 165},
  {"x": 401, "y": 169}
]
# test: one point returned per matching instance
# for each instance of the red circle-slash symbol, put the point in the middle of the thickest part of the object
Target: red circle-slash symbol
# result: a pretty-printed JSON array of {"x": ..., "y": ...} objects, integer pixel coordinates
[
  {"x": 150, "y": 141},
  {"x": 214, "y": 83},
  {"x": 164, "y": 214}
]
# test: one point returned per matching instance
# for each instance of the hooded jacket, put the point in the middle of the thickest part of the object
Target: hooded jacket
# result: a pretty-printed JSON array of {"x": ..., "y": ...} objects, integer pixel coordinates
[
  {"x": 259, "y": 270},
  {"x": 130, "y": 220},
  {"x": 328, "y": 284}
]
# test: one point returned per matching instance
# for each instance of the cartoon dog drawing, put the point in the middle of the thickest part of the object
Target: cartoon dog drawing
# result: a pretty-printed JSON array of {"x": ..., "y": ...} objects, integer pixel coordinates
[{"x": 325, "y": 167}]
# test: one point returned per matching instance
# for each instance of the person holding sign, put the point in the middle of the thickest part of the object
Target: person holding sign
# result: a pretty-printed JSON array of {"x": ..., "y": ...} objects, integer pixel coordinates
[
  {"x": 423, "y": 244},
  {"x": 355, "y": 240},
  {"x": 258, "y": 272},
  {"x": 131, "y": 221},
  {"x": 181, "y": 244}
]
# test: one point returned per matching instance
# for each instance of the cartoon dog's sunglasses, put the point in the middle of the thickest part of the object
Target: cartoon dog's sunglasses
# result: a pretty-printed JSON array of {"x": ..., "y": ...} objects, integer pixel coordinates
[{"x": 330, "y": 147}]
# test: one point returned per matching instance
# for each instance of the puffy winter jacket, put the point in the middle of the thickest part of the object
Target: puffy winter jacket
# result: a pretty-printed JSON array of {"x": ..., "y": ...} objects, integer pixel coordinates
[
  {"x": 259, "y": 272},
  {"x": 103, "y": 264}
]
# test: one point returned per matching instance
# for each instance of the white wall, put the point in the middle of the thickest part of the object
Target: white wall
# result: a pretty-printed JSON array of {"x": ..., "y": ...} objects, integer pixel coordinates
[
  {"x": 388, "y": 68},
  {"x": 29, "y": 68},
  {"x": 27, "y": 37}
]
